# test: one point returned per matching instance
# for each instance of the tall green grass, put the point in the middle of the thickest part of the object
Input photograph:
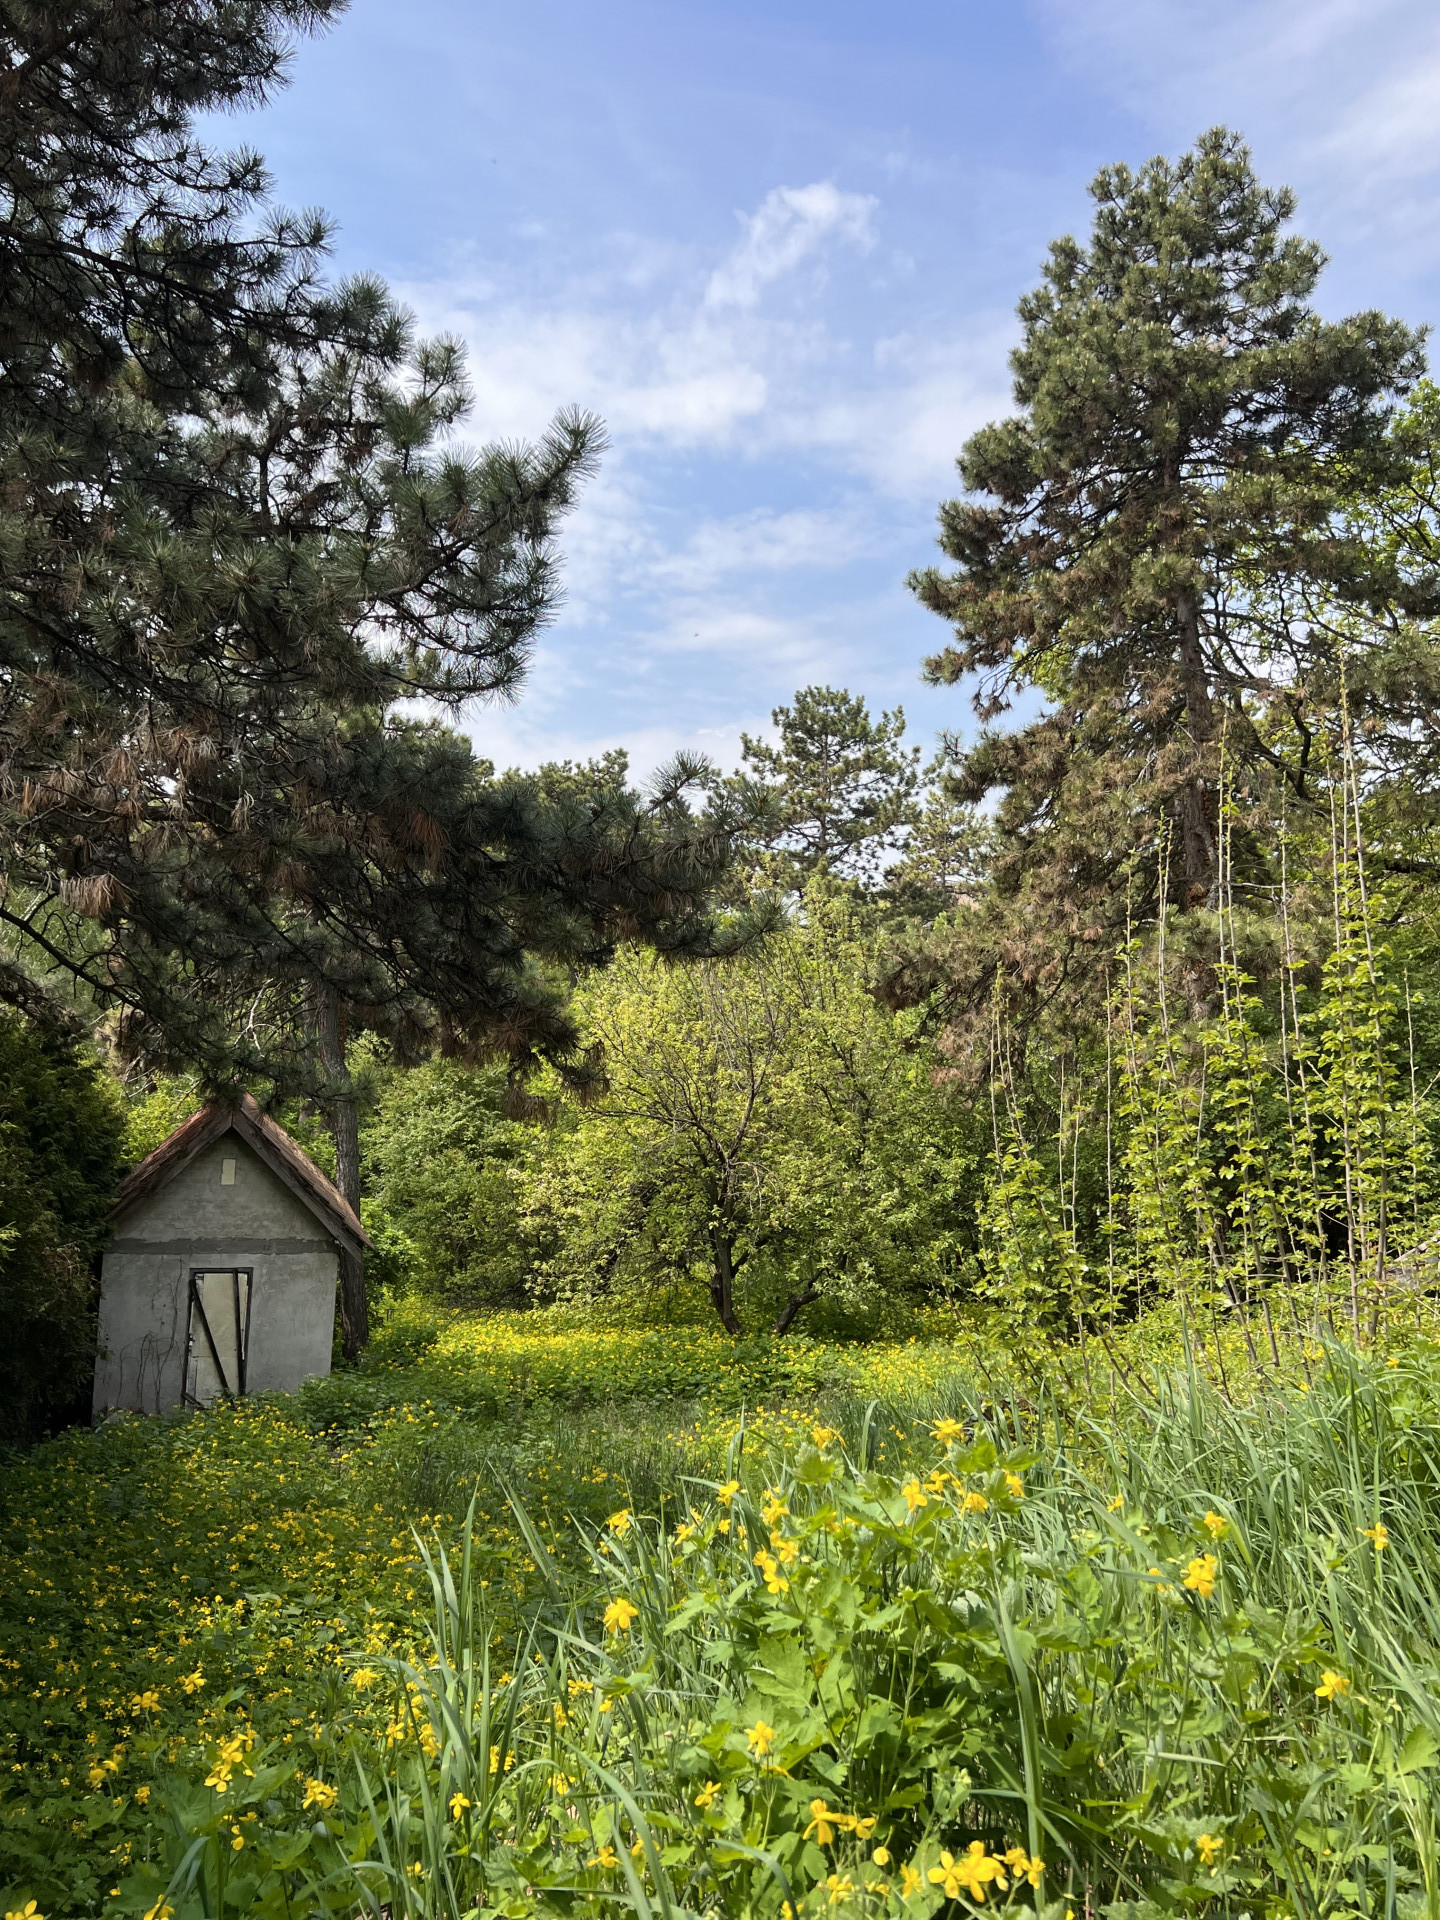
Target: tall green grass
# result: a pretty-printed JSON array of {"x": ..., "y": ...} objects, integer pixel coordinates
[{"x": 1170, "y": 1657}]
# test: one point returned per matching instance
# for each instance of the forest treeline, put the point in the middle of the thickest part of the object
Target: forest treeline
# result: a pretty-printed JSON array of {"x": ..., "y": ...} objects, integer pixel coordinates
[{"x": 1124, "y": 993}]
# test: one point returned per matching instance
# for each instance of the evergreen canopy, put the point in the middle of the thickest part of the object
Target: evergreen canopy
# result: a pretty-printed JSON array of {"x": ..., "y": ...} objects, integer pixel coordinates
[
  {"x": 1189, "y": 432},
  {"x": 235, "y": 532}
]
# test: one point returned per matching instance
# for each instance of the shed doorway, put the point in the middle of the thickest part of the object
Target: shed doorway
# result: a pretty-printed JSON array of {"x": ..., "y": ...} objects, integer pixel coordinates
[{"x": 219, "y": 1334}]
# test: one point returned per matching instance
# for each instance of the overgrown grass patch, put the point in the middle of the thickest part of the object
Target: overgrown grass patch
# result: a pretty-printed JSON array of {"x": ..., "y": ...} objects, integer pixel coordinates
[{"x": 198, "y": 1586}]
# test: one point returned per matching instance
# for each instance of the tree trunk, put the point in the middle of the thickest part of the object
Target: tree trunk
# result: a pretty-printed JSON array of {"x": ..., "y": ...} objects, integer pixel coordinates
[
  {"x": 722, "y": 1284},
  {"x": 1193, "y": 806},
  {"x": 792, "y": 1306},
  {"x": 345, "y": 1128}
]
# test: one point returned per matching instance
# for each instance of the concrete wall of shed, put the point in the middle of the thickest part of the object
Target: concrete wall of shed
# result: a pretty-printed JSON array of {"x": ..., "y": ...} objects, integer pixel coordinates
[{"x": 195, "y": 1222}]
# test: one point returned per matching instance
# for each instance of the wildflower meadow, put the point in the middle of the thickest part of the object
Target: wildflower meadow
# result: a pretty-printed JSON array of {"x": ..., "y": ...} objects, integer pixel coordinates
[{"x": 943, "y": 1635}]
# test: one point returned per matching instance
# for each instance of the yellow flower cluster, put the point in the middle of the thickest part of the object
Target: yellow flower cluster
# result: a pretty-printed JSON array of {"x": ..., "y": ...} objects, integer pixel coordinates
[{"x": 977, "y": 1868}]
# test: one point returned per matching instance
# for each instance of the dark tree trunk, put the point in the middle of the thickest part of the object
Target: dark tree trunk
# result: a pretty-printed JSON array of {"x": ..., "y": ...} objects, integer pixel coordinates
[
  {"x": 345, "y": 1128},
  {"x": 1193, "y": 803},
  {"x": 722, "y": 1284},
  {"x": 792, "y": 1307}
]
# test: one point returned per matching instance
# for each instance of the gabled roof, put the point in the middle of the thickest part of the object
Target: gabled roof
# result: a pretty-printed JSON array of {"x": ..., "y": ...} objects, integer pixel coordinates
[{"x": 290, "y": 1165}]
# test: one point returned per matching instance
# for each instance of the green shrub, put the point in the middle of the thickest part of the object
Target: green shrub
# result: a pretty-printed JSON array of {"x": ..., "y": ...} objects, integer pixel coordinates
[
  {"x": 438, "y": 1156},
  {"x": 61, "y": 1137}
]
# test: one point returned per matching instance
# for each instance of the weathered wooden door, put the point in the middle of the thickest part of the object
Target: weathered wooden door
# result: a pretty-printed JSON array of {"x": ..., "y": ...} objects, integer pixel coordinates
[{"x": 219, "y": 1334}]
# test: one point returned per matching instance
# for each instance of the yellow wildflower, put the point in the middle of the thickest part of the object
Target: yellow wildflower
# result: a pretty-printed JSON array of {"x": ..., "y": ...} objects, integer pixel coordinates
[
  {"x": 1200, "y": 1575},
  {"x": 841, "y": 1888},
  {"x": 881, "y": 1856},
  {"x": 619, "y": 1614},
  {"x": 1114, "y": 1506},
  {"x": 162, "y": 1910},
  {"x": 947, "y": 1432},
  {"x": 577, "y": 1687},
  {"x": 974, "y": 1503},
  {"x": 1209, "y": 1848},
  {"x": 787, "y": 1550},
  {"x": 28, "y": 1912},
  {"x": 971, "y": 1873},
  {"x": 914, "y": 1495},
  {"x": 824, "y": 1824},
  {"x": 761, "y": 1738},
  {"x": 683, "y": 1533},
  {"x": 606, "y": 1858},
  {"x": 910, "y": 1882},
  {"x": 362, "y": 1678},
  {"x": 1216, "y": 1525},
  {"x": 147, "y": 1702},
  {"x": 773, "y": 1506},
  {"x": 458, "y": 1805},
  {"x": 1378, "y": 1536},
  {"x": 193, "y": 1682},
  {"x": 708, "y": 1795},
  {"x": 1023, "y": 1869},
  {"x": 619, "y": 1523},
  {"x": 319, "y": 1793},
  {"x": 775, "y": 1581},
  {"x": 822, "y": 1436},
  {"x": 1333, "y": 1686},
  {"x": 142, "y": 1795},
  {"x": 1014, "y": 1485},
  {"x": 728, "y": 1492}
]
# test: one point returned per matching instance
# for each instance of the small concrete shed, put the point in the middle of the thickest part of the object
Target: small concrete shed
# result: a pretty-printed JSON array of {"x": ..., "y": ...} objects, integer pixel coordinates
[{"x": 221, "y": 1274}]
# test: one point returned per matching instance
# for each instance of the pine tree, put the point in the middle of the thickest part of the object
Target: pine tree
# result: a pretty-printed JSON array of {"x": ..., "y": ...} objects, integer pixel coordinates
[
  {"x": 236, "y": 535},
  {"x": 1131, "y": 545},
  {"x": 842, "y": 787}
]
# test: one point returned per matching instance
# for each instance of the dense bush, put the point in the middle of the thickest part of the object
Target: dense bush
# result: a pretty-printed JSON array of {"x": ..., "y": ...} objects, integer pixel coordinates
[
  {"x": 438, "y": 1164},
  {"x": 61, "y": 1154}
]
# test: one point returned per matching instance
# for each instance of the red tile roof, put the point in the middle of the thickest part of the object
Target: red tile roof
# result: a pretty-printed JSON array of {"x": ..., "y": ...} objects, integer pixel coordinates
[{"x": 287, "y": 1161}]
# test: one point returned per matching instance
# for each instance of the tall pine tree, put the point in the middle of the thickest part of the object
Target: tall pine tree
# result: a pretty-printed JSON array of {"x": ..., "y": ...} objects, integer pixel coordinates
[
  {"x": 1188, "y": 429},
  {"x": 841, "y": 788},
  {"x": 236, "y": 535}
]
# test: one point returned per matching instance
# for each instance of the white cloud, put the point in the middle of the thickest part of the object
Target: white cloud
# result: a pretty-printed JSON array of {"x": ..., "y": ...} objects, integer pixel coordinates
[
  {"x": 1389, "y": 132},
  {"x": 696, "y": 365},
  {"x": 761, "y": 542},
  {"x": 1341, "y": 97},
  {"x": 789, "y": 225},
  {"x": 681, "y": 626}
]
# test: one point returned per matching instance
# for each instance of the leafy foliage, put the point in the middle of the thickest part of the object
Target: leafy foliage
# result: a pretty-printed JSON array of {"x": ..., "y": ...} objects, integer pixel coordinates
[
  {"x": 1182, "y": 1650},
  {"x": 767, "y": 1122},
  {"x": 61, "y": 1154},
  {"x": 439, "y": 1159}
]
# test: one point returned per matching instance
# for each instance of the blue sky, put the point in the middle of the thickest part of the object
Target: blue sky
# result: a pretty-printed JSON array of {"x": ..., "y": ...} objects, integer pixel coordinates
[{"x": 777, "y": 248}]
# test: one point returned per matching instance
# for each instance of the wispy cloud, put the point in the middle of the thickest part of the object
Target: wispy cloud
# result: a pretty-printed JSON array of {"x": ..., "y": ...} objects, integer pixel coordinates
[
  {"x": 698, "y": 359},
  {"x": 1342, "y": 97},
  {"x": 790, "y": 224}
]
